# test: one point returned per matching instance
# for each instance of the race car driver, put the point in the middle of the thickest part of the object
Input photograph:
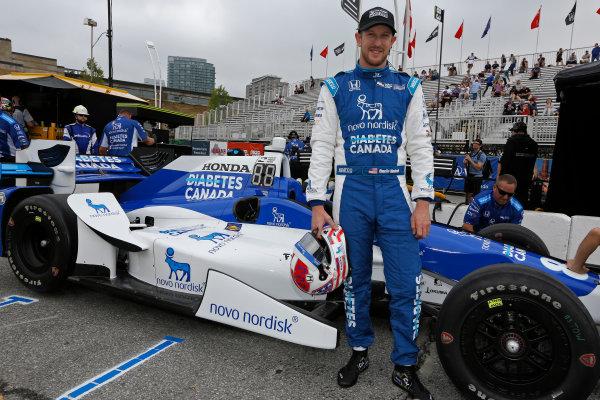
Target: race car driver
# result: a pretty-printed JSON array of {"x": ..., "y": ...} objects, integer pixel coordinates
[
  {"x": 370, "y": 119},
  {"x": 83, "y": 134},
  {"x": 495, "y": 207}
]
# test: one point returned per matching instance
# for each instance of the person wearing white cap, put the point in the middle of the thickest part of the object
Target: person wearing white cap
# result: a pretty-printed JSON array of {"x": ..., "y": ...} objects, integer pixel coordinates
[{"x": 83, "y": 134}]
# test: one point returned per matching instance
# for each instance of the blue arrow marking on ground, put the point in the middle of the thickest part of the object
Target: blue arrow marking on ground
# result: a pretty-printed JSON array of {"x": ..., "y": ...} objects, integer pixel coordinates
[
  {"x": 16, "y": 299},
  {"x": 113, "y": 373}
]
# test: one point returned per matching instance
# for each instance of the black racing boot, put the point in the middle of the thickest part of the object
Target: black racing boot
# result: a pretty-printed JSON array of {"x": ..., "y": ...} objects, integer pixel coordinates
[
  {"x": 348, "y": 375},
  {"x": 407, "y": 379}
]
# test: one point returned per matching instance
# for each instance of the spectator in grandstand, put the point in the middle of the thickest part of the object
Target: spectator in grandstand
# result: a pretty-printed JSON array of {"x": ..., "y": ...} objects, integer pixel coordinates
[
  {"x": 456, "y": 91},
  {"x": 470, "y": 60},
  {"x": 452, "y": 70},
  {"x": 22, "y": 116},
  {"x": 518, "y": 159},
  {"x": 296, "y": 90},
  {"x": 416, "y": 74},
  {"x": 473, "y": 163},
  {"x": 559, "y": 56},
  {"x": 282, "y": 100},
  {"x": 572, "y": 59},
  {"x": 488, "y": 67},
  {"x": 488, "y": 83},
  {"x": 495, "y": 67},
  {"x": 524, "y": 93},
  {"x": 464, "y": 92},
  {"x": 541, "y": 61},
  {"x": 301, "y": 89},
  {"x": 497, "y": 89},
  {"x": 509, "y": 108},
  {"x": 596, "y": 53},
  {"x": 435, "y": 101},
  {"x": 423, "y": 75},
  {"x": 503, "y": 61},
  {"x": 524, "y": 66},
  {"x": 306, "y": 116},
  {"x": 435, "y": 75},
  {"x": 589, "y": 244},
  {"x": 312, "y": 83},
  {"x": 533, "y": 107},
  {"x": 536, "y": 71},
  {"x": 446, "y": 97},
  {"x": 495, "y": 206},
  {"x": 275, "y": 100},
  {"x": 506, "y": 90},
  {"x": 518, "y": 85},
  {"x": 505, "y": 74},
  {"x": 586, "y": 57},
  {"x": 512, "y": 64},
  {"x": 520, "y": 106},
  {"x": 466, "y": 80},
  {"x": 524, "y": 109},
  {"x": 549, "y": 108},
  {"x": 475, "y": 88}
]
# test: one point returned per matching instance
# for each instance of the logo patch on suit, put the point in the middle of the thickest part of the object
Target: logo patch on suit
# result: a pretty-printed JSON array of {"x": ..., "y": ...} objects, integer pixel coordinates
[{"x": 371, "y": 111}]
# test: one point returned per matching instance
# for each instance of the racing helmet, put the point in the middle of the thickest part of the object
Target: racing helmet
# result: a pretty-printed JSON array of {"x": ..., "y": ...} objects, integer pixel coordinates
[
  {"x": 320, "y": 265},
  {"x": 80, "y": 110},
  {"x": 6, "y": 105}
]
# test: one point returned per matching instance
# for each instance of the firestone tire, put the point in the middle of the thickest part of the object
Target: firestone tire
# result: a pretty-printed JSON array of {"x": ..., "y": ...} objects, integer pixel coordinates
[
  {"x": 516, "y": 235},
  {"x": 42, "y": 242},
  {"x": 513, "y": 332}
]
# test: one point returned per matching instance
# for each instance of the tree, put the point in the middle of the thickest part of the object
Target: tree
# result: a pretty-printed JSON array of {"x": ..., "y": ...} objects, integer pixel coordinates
[
  {"x": 218, "y": 97},
  {"x": 93, "y": 73}
]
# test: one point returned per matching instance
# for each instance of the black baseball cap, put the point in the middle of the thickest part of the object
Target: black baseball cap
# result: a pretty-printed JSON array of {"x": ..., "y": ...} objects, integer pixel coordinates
[
  {"x": 377, "y": 16},
  {"x": 519, "y": 126}
]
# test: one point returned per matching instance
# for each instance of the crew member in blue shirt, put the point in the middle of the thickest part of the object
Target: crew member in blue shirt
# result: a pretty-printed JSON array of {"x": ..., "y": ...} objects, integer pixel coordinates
[
  {"x": 12, "y": 136},
  {"x": 294, "y": 146},
  {"x": 494, "y": 207},
  {"x": 83, "y": 134},
  {"x": 121, "y": 135}
]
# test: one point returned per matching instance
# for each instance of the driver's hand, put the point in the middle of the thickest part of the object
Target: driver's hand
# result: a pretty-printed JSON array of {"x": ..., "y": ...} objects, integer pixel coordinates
[
  {"x": 420, "y": 221},
  {"x": 320, "y": 218}
]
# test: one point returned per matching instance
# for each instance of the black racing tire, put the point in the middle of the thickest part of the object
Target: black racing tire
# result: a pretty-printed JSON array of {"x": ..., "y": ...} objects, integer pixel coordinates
[
  {"x": 510, "y": 331},
  {"x": 41, "y": 241},
  {"x": 516, "y": 235}
]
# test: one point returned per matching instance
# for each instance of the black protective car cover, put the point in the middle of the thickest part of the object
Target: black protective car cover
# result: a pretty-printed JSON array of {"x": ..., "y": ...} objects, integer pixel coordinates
[{"x": 574, "y": 173}]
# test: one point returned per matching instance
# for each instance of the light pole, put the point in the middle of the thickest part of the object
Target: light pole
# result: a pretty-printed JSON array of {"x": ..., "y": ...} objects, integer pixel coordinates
[
  {"x": 150, "y": 45},
  {"x": 91, "y": 23}
]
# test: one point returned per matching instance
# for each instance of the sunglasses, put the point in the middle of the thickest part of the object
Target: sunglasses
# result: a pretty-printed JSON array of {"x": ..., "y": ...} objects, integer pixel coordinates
[{"x": 503, "y": 193}]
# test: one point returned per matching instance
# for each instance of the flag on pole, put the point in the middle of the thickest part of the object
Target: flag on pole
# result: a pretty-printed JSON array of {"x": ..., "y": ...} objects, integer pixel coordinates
[
  {"x": 598, "y": 12},
  {"x": 459, "y": 31},
  {"x": 571, "y": 17},
  {"x": 411, "y": 45},
  {"x": 536, "y": 20},
  {"x": 487, "y": 28},
  {"x": 324, "y": 52},
  {"x": 311, "y": 51},
  {"x": 433, "y": 34},
  {"x": 339, "y": 50},
  {"x": 410, "y": 17}
]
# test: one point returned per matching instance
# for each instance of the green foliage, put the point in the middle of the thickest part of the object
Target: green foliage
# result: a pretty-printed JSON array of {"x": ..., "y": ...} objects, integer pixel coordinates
[
  {"x": 92, "y": 73},
  {"x": 219, "y": 97}
]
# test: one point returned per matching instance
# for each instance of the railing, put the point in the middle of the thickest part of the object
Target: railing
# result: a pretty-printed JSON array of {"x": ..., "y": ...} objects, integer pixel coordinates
[
  {"x": 251, "y": 131},
  {"x": 479, "y": 64},
  {"x": 492, "y": 129}
]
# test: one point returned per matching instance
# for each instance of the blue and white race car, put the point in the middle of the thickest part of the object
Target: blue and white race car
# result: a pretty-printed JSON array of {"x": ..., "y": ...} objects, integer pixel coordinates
[{"x": 213, "y": 236}]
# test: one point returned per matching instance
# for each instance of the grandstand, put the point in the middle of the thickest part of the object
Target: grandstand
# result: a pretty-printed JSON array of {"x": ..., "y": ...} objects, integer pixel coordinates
[{"x": 258, "y": 119}]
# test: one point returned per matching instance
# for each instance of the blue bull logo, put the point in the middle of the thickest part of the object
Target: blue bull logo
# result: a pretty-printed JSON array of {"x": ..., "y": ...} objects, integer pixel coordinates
[
  {"x": 214, "y": 237},
  {"x": 177, "y": 266},
  {"x": 100, "y": 208}
]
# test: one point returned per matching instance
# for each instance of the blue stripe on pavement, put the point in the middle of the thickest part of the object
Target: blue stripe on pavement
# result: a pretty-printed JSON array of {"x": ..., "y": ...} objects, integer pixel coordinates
[
  {"x": 115, "y": 372},
  {"x": 16, "y": 299}
]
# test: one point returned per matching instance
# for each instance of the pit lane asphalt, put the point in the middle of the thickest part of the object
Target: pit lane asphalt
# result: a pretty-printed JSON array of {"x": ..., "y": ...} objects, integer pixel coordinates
[{"x": 66, "y": 338}]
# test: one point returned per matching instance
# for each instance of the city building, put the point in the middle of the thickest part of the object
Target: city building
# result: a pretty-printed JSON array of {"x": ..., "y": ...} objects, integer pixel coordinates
[
  {"x": 11, "y": 61},
  {"x": 150, "y": 81},
  {"x": 191, "y": 74},
  {"x": 265, "y": 84}
]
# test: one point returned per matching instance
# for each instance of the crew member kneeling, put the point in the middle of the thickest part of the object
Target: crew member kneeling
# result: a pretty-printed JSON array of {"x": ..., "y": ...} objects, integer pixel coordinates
[{"x": 494, "y": 207}]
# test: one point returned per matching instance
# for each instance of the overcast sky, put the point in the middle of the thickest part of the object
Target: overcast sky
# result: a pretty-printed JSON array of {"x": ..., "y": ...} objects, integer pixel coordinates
[{"x": 246, "y": 39}]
